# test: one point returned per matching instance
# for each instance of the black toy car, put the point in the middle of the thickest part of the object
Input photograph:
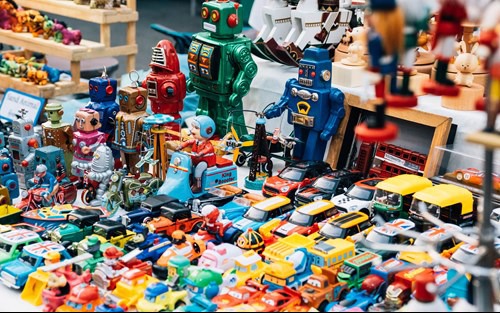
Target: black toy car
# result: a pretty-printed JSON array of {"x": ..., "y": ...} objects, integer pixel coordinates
[
  {"x": 325, "y": 187},
  {"x": 149, "y": 209}
]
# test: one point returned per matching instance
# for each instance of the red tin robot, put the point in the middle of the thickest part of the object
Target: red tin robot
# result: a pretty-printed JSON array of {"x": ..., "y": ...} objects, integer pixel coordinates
[{"x": 166, "y": 84}]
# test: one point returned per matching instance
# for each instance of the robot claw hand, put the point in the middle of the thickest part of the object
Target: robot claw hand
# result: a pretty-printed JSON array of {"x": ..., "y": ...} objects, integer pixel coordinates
[{"x": 272, "y": 112}]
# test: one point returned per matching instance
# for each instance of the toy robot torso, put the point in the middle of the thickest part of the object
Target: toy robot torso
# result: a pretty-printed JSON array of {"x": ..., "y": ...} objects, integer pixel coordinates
[
  {"x": 211, "y": 66},
  {"x": 166, "y": 92},
  {"x": 107, "y": 111},
  {"x": 82, "y": 139},
  {"x": 309, "y": 108}
]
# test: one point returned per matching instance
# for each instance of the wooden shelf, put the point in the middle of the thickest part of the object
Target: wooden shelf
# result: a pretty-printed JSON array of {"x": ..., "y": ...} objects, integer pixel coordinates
[
  {"x": 123, "y": 14},
  {"x": 48, "y": 91},
  {"x": 85, "y": 50}
]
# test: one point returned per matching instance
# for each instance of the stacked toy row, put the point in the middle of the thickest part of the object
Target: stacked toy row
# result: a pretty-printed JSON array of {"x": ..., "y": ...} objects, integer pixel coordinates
[
  {"x": 21, "y": 21},
  {"x": 29, "y": 70}
]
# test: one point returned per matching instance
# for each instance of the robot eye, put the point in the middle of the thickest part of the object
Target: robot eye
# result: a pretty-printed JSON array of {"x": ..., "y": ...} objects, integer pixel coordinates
[
  {"x": 120, "y": 97},
  {"x": 215, "y": 16},
  {"x": 96, "y": 88},
  {"x": 90, "y": 87},
  {"x": 126, "y": 98},
  {"x": 313, "y": 74},
  {"x": 204, "y": 13},
  {"x": 5, "y": 167}
]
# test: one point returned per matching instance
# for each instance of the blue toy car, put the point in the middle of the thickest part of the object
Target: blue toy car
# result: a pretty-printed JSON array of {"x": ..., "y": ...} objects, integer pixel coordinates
[
  {"x": 149, "y": 209},
  {"x": 14, "y": 274},
  {"x": 238, "y": 206},
  {"x": 151, "y": 245},
  {"x": 257, "y": 215}
]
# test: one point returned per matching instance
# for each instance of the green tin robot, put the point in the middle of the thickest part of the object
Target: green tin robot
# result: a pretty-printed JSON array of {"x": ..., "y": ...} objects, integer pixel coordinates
[{"x": 221, "y": 67}]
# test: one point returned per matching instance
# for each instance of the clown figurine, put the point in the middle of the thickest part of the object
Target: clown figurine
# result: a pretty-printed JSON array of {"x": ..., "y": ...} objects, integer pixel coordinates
[{"x": 202, "y": 150}]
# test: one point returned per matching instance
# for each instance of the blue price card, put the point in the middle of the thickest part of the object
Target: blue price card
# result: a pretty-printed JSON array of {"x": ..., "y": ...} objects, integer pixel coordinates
[{"x": 16, "y": 103}]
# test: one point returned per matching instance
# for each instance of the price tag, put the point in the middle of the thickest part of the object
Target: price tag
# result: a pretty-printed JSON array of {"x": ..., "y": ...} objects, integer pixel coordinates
[{"x": 15, "y": 101}]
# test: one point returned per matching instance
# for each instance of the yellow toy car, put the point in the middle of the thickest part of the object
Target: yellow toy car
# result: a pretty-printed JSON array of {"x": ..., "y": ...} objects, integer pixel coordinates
[{"x": 249, "y": 265}]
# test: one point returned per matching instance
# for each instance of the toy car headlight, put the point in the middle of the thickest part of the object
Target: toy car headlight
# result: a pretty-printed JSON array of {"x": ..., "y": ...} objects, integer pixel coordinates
[
  {"x": 284, "y": 189},
  {"x": 24, "y": 194},
  {"x": 353, "y": 208},
  {"x": 318, "y": 198}
]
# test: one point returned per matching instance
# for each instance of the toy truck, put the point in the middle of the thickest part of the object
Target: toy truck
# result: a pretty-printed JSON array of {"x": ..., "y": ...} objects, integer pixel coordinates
[
  {"x": 291, "y": 272},
  {"x": 130, "y": 289},
  {"x": 321, "y": 288},
  {"x": 355, "y": 269},
  {"x": 247, "y": 266},
  {"x": 149, "y": 209}
]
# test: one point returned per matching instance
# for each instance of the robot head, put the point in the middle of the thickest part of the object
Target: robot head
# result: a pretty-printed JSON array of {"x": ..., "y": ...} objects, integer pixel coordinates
[
  {"x": 102, "y": 89},
  {"x": 132, "y": 99},
  {"x": 102, "y": 160},
  {"x": 203, "y": 126},
  {"x": 54, "y": 112},
  {"x": 22, "y": 128},
  {"x": 222, "y": 18},
  {"x": 315, "y": 68},
  {"x": 5, "y": 165},
  {"x": 87, "y": 120},
  {"x": 165, "y": 57}
]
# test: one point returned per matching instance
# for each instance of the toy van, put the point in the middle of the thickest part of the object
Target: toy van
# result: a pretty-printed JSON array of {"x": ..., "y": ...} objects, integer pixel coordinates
[
  {"x": 394, "y": 195},
  {"x": 450, "y": 203}
]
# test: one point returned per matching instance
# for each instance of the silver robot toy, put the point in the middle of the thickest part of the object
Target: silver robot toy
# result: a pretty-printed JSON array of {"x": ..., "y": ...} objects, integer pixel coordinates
[{"x": 101, "y": 170}]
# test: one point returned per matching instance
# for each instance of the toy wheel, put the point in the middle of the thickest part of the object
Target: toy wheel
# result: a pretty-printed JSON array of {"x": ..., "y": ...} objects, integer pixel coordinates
[
  {"x": 459, "y": 176},
  {"x": 268, "y": 167},
  {"x": 342, "y": 295},
  {"x": 88, "y": 195},
  {"x": 322, "y": 306},
  {"x": 365, "y": 211},
  {"x": 240, "y": 160}
]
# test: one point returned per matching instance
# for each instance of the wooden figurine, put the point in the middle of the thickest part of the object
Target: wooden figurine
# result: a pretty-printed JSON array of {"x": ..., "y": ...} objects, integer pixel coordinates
[{"x": 350, "y": 70}]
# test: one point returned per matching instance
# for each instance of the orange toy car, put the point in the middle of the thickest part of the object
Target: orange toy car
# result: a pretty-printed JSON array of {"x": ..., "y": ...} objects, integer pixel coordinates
[
  {"x": 250, "y": 292},
  {"x": 475, "y": 176},
  {"x": 175, "y": 216}
]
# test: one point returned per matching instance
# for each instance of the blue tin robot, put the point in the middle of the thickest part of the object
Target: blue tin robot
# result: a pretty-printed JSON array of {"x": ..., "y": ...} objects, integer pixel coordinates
[
  {"x": 102, "y": 92},
  {"x": 315, "y": 108},
  {"x": 8, "y": 177},
  {"x": 53, "y": 158}
]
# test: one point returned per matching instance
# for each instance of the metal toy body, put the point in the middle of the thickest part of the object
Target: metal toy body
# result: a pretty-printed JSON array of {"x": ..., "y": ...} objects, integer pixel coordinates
[
  {"x": 8, "y": 177},
  {"x": 128, "y": 128},
  {"x": 101, "y": 170},
  {"x": 221, "y": 67},
  {"x": 102, "y": 92},
  {"x": 166, "y": 85},
  {"x": 22, "y": 144},
  {"x": 57, "y": 133},
  {"x": 308, "y": 99},
  {"x": 86, "y": 139}
]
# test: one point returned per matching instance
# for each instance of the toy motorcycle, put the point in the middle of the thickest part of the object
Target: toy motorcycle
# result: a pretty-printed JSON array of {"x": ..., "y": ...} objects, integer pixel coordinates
[{"x": 34, "y": 198}]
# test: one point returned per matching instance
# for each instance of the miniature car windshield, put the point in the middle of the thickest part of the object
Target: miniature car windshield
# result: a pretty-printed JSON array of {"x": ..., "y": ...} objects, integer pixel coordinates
[
  {"x": 431, "y": 208},
  {"x": 331, "y": 231},
  {"x": 25, "y": 258},
  {"x": 242, "y": 201},
  {"x": 292, "y": 174},
  {"x": 360, "y": 193},
  {"x": 376, "y": 237},
  {"x": 388, "y": 198},
  {"x": 326, "y": 184},
  {"x": 300, "y": 219},
  {"x": 256, "y": 215}
]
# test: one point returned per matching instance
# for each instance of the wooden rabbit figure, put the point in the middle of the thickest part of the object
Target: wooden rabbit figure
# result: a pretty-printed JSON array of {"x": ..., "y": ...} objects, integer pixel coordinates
[{"x": 466, "y": 63}]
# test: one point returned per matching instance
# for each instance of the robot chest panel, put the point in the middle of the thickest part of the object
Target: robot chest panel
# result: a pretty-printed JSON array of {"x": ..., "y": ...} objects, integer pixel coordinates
[
  {"x": 309, "y": 101},
  {"x": 204, "y": 60}
]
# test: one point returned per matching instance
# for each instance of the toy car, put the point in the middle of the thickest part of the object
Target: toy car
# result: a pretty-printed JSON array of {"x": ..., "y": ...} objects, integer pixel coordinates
[
  {"x": 217, "y": 196},
  {"x": 250, "y": 292},
  {"x": 294, "y": 176},
  {"x": 78, "y": 226},
  {"x": 247, "y": 266},
  {"x": 151, "y": 245},
  {"x": 277, "y": 301},
  {"x": 149, "y": 209},
  {"x": 474, "y": 176},
  {"x": 160, "y": 297},
  {"x": 327, "y": 186},
  {"x": 83, "y": 298},
  {"x": 350, "y": 226},
  {"x": 358, "y": 197},
  {"x": 110, "y": 231},
  {"x": 175, "y": 216},
  {"x": 37, "y": 229},
  {"x": 12, "y": 243},
  {"x": 237, "y": 207},
  {"x": 130, "y": 288},
  {"x": 322, "y": 288},
  {"x": 440, "y": 237},
  {"x": 14, "y": 274},
  {"x": 304, "y": 220},
  {"x": 389, "y": 233},
  {"x": 258, "y": 214}
]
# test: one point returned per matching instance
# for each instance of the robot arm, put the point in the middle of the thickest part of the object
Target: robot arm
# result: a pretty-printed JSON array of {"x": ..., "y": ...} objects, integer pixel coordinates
[
  {"x": 337, "y": 112},
  {"x": 278, "y": 108},
  {"x": 247, "y": 71},
  {"x": 189, "y": 85}
]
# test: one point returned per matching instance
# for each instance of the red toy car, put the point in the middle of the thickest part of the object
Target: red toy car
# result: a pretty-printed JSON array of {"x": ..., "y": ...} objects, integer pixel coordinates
[
  {"x": 292, "y": 177},
  {"x": 238, "y": 295},
  {"x": 278, "y": 300},
  {"x": 175, "y": 216},
  {"x": 475, "y": 177}
]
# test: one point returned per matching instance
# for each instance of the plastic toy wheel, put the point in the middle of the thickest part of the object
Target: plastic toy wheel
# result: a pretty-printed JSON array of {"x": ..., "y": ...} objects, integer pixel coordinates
[
  {"x": 240, "y": 160},
  {"x": 88, "y": 195},
  {"x": 386, "y": 133},
  {"x": 179, "y": 304},
  {"x": 459, "y": 176}
]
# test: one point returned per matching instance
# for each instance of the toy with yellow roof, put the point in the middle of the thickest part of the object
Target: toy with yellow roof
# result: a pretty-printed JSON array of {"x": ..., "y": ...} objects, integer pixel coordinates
[
  {"x": 304, "y": 220},
  {"x": 278, "y": 207},
  {"x": 247, "y": 266},
  {"x": 351, "y": 226},
  {"x": 394, "y": 195}
]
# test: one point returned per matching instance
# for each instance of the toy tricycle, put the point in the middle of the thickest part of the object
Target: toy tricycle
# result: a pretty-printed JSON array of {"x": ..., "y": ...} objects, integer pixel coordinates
[{"x": 34, "y": 198}]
